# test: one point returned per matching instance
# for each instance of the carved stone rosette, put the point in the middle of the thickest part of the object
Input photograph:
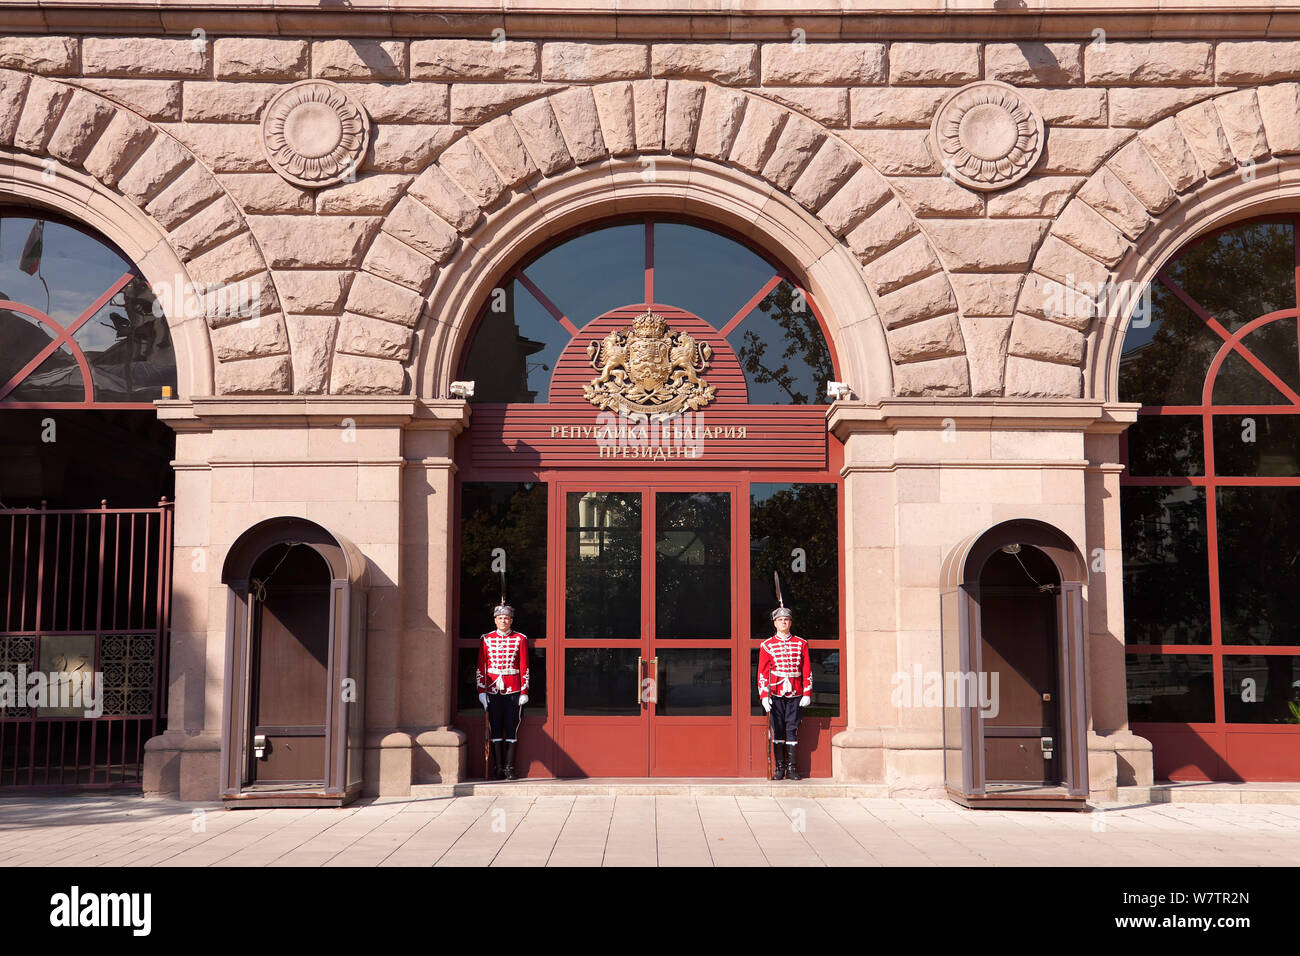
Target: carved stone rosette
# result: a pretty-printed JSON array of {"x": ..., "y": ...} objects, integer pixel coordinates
[
  {"x": 987, "y": 136},
  {"x": 314, "y": 134}
]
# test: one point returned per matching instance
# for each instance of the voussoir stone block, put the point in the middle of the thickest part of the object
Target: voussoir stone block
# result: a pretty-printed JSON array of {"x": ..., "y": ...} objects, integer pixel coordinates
[
  {"x": 928, "y": 339},
  {"x": 83, "y": 121},
  {"x": 13, "y": 89},
  {"x": 396, "y": 261},
  {"x": 1088, "y": 231},
  {"x": 499, "y": 141},
  {"x": 650, "y": 103},
  {"x": 416, "y": 225},
  {"x": 825, "y": 105},
  {"x": 617, "y": 113},
  {"x": 904, "y": 264},
  {"x": 44, "y": 105},
  {"x": 720, "y": 121},
  {"x": 1135, "y": 168},
  {"x": 575, "y": 111},
  {"x": 800, "y": 63},
  {"x": 255, "y": 376},
  {"x": 380, "y": 299},
  {"x": 331, "y": 242},
  {"x": 727, "y": 63},
  {"x": 938, "y": 197},
  {"x": 469, "y": 169},
  {"x": 259, "y": 58},
  {"x": 942, "y": 376},
  {"x": 828, "y": 170},
  {"x": 186, "y": 194},
  {"x": 540, "y": 132},
  {"x": 436, "y": 190},
  {"x": 1142, "y": 106},
  {"x": 1034, "y": 196},
  {"x": 315, "y": 290},
  {"x": 930, "y": 297},
  {"x": 1031, "y": 378},
  {"x": 1059, "y": 260},
  {"x": 995, "y": 245},
  {"x": 372, "y": 194},
  {"x": 155, "y": 168},
  {"x": 864, "y": 193},
  {"x": 158, "y": 100},
  {"x": 361, "y": 375},
  {"x": 682, "y": 116},
  {"x": 362, "y": 335},
  {"x": 1279, "y": 108},
  {"x": 1204, "y": 133},
  {"x": 759, "y": 131},
  {"x": 1048, "y": 341},
  {"x": 986, "y": 293},
  {"x": 1121, "y": 63},
  {"x": 798, "y": 142},
  {"x": 476, "y": 102},
  {"x": 214, "y": 223},
  {"x": 261, "y": 336},
  {"x": 1170, "y": 151},
  {"x": 986, "y": 340},
  {"x": 1110, "y": 197},
  {"x": 312, "y": 341},
  {"x": 121, "y": 143},
  {"x": 943, "y": 63},
  {"x": 1242, "y": 124},
  {"x": 882, "y": 230},
  {"x": 455, "y": 59},
  {"x": 235, "y": 259}
]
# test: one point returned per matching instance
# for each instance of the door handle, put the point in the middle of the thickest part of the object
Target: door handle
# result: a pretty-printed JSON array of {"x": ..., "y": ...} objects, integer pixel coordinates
[
  {"x": 1046, "y": 744},
  {"x": 640, "y": 672}
]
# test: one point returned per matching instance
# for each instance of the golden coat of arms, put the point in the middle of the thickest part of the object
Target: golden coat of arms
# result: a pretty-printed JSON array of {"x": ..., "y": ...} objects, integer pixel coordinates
[{"x": 649, "y": 369}]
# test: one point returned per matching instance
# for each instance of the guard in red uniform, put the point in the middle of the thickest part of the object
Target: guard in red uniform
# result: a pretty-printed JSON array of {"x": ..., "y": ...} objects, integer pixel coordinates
[
  {"x": 784, "y": 687},
  {"x": 502, "y": 677}
]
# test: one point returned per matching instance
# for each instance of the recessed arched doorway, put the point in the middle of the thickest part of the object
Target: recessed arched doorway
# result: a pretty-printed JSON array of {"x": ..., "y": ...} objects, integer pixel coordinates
[
  {"x": 647, "y": 446},
  {"x": 1012, "y": 675}
]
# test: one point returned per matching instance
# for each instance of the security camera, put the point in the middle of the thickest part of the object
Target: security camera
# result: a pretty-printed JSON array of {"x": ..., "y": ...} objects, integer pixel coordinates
[
  {"x": 462, "y": 389},
  {"x": 838, "y": 390}
]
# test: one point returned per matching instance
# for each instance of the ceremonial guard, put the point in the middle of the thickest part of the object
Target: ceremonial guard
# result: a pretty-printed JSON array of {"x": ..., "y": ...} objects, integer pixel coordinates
[
  {"x": 502, "y": 677},
  {"x": 784, "y": 687}
]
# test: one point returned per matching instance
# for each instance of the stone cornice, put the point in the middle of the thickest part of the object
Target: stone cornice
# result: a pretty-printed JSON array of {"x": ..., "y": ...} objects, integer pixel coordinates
[
  {"x": 204, "y": 412},
  {"x": 665, "y": 19},
  {"x": 1066, "y": 414}
]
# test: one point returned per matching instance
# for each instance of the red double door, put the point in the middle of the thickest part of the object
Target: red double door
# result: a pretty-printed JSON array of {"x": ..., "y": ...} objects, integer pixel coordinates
[{"x": 650, "y": 669}]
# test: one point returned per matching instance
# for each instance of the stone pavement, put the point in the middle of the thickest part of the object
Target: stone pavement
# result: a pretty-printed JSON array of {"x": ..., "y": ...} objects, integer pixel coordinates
[{"x": 638, "y": 830}]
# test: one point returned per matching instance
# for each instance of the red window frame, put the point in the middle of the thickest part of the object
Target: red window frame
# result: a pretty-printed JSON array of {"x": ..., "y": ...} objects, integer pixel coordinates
[{"x": 1255, "y": 744}]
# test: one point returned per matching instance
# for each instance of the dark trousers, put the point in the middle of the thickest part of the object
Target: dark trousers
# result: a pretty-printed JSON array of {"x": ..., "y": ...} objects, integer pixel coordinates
[
  {"x": 503, "y": 717},
  {"x": 785, "y": 720}
]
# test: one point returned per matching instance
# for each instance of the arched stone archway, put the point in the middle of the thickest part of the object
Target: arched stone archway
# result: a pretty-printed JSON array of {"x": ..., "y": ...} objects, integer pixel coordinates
[
  {"x": 1224, "y": 158},
  {"x": 721, "y": 153},
  {"x": 73, "y": 151}
]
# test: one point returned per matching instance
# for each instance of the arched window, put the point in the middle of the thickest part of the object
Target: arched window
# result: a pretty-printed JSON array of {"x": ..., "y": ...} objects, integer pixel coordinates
[
  {"x": 1211, "y": 506},
  {"x": 79, "y": 325},
  {"x": 766, "y": 317}
]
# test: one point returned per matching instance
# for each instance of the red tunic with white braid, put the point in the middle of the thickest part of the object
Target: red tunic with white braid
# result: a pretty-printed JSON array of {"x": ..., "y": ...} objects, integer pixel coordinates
[
  {"x": 783, "y": 667},
  {"x": 502, "y": 663}
]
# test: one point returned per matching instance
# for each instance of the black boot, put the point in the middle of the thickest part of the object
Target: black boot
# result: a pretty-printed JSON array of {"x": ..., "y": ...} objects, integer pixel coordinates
[
  {"x": 498, "y": 761},
  {"x": 790, "y": 772},
  {"x": 778, "y": 765},
  {"x": 510, "y": 761}
]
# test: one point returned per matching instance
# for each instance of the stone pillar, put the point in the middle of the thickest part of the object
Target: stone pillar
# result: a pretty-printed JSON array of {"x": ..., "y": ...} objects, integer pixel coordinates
[
  {"x": 920, "y": 476},
  {"x": 336, "y": 461},
  {"x": 427, "y": 685}
]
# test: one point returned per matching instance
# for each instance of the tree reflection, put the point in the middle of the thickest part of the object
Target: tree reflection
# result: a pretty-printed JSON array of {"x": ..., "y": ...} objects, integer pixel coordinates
[
  {"x": 796, "y": 516},
  {"x": 802, "y": 366}
]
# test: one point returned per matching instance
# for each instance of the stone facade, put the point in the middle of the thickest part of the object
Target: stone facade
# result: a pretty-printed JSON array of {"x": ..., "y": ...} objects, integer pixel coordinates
[{"x": 355, "y": 297}]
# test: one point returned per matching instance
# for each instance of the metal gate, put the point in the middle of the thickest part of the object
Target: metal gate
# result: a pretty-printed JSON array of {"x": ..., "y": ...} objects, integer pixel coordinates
[{"x": 85, "y": 593}]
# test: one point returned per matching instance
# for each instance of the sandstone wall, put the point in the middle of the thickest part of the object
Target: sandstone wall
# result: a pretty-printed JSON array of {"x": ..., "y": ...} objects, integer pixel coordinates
[{"x": 460, "y": 129}]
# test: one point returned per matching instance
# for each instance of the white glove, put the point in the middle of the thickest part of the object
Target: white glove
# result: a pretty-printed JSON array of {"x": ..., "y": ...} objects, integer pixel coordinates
[
  {"x": 523, "y": 699},
  {"x": 482, "y": 699},
  {"x": 805, "y": 700},
  {"x": 767, "y": 704}
]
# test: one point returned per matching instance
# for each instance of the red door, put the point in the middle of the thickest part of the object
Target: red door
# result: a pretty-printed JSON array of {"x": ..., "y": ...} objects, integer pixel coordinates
[{"x": 650, "y": 675}]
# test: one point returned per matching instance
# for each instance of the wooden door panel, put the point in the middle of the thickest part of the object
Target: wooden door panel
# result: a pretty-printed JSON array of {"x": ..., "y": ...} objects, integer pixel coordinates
[
  {"x": 290, "y": 688},
  {"x": 1018, "y": 632}
]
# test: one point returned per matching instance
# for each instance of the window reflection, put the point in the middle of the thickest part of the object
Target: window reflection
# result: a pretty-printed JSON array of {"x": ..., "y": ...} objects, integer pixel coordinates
[
  {"x": 794, "y": 529},
  {"x": 510, "y": 516},
  {"x": 602, "y": 550},
  {"x": 1170, "y": 687},
  {"x": 515, "y": 348},
  {"x": 693, "y": 565},
  {"x": 783, "y": 352},
  {"x": 1259, "y": 565}
]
